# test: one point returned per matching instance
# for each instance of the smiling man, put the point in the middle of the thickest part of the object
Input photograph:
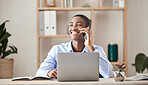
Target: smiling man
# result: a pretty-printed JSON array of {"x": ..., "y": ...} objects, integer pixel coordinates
[{"x": 78, "y": 28}]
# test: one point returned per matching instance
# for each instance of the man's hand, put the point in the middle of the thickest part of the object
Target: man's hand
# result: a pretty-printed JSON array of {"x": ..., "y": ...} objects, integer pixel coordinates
[
  {"x": 87, "y": 42},
  {"x": 52, "y": 73}
]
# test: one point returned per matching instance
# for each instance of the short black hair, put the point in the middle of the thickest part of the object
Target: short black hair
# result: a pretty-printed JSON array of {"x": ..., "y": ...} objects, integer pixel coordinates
[{"x": 88, "y": 21}]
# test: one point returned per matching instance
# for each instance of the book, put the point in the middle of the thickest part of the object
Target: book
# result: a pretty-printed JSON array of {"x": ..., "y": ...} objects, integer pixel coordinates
[
  {"x": 26, "y": 78},
  {"x": 68, "y": 3},
  {"x": 137, "y": 78},
  {"x": 41, "y": 3},
  {"x": 71, "y": 3}
]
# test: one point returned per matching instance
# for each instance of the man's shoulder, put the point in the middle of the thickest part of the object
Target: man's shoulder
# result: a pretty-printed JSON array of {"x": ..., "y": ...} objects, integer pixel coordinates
[
  {"x": 97, "y": 46},
  {"x": 62, "y": 45}
]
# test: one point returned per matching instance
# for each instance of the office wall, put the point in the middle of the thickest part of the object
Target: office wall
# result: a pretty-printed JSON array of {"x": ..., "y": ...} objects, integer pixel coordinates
[
  {"x": 22, "y": 26},
  {"x": 137, "y": 31}
]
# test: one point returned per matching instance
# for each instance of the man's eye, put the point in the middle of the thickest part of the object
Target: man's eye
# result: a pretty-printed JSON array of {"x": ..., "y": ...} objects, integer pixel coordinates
[
  {"x": 79, "y": 25},
  {"x": 71, "y": 25}
]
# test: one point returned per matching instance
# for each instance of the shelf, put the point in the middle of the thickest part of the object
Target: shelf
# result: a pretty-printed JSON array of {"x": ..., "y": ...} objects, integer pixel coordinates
[
  {"x": 113, "y": 63},
  {"x": 65, "y": 9},
  {"x": 92, "y": 11},
  {"x": 109, "y": 8},
  {"x": 79, "y": 8},
  {"x": 55, "y": 36}
]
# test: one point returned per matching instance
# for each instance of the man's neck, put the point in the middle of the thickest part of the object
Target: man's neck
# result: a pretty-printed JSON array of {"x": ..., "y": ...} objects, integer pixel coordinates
[{"x": 78, "y": 45}]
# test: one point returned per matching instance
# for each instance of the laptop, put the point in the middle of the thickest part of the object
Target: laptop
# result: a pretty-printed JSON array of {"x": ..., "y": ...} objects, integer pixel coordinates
[{"x": 77, "y": 66}]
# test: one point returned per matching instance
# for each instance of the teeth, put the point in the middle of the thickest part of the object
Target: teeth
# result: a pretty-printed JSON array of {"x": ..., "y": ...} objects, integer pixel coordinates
[{"x": 73, "y": 32}]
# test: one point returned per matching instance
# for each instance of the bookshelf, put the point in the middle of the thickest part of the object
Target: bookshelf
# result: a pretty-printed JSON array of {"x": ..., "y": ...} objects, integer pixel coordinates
[{"x": 92, "y": 15}]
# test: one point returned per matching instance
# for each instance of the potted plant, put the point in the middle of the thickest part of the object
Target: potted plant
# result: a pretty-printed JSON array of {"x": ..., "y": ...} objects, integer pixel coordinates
[
  {"x": 141, "y": 63},
  {"x": 6, "y": 65},
  {"x": 119, "y": 72}
]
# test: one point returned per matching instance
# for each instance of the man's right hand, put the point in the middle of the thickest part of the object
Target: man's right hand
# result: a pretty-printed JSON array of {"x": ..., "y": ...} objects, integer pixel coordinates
[{"x": 52, "y": 73}]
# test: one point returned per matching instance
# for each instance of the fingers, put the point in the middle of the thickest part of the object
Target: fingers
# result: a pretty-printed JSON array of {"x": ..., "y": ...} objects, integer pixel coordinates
[
  {"x": 84, "y": 30},
  {"x": 53, "y": 73}
]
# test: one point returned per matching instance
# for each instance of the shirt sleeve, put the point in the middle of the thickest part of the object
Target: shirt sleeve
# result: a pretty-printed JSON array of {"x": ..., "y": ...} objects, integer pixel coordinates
[
  {"x": 48, "y": 64},
  {"x": 105, "y": 67}
]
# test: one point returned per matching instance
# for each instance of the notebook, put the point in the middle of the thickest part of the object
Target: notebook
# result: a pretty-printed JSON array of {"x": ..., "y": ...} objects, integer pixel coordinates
[
  {"x": 137, "y": 78},
  {"x": 77, "y": 66},
  {"x": 27, "y": 78}
]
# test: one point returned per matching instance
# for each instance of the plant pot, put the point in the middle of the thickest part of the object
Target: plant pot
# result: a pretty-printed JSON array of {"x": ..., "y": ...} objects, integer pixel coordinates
[
  {"x": 6, "y": 68},
  {"x": 119, "y": 76}
]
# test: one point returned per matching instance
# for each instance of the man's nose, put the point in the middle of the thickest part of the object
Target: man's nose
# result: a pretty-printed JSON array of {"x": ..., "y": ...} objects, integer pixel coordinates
[{"x": 74, "y": 28}]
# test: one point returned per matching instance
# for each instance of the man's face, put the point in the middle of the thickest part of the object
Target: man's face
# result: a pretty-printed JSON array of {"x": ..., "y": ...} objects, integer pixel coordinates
[{"x": 74, "y": 28}]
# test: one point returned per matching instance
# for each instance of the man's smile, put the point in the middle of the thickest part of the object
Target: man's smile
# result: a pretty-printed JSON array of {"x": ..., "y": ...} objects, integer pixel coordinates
[{"x": 74, "y": 32}]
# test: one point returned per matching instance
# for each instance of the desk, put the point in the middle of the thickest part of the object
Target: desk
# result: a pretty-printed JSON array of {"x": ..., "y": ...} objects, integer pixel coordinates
[{"x": 109, "y": 81}]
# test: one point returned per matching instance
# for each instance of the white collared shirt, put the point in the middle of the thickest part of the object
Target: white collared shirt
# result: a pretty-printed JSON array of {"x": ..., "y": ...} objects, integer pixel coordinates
[{"x": 50, "y": 63}]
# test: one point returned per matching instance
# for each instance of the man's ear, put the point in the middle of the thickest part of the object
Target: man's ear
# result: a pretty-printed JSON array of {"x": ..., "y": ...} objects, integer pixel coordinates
[
  {"x": 68, "y": 30},
  {"x": 89, "y": 24}
]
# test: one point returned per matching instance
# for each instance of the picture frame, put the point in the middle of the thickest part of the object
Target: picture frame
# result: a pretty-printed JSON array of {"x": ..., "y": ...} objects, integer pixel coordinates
[{"x": 50, "y": 3}]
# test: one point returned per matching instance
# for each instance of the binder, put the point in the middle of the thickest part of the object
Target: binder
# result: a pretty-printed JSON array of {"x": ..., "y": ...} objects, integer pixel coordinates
[
  {"x": 41, "y": 22},
  {"x": 50, "y": 22},
  {"x": 121, "y": 3},
  {"x": 115, "y": 3}
]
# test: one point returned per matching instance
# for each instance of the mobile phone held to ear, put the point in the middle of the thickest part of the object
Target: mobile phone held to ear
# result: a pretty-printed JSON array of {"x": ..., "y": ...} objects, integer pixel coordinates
[{"x": 84, "y": 34}]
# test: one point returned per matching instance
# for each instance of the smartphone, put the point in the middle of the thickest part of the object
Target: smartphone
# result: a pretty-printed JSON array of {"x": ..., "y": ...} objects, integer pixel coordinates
[{"x": 84, "y": 34}]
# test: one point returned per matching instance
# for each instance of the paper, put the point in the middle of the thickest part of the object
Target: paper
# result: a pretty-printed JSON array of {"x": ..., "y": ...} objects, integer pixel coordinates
[{"x": 137, "y": 78}]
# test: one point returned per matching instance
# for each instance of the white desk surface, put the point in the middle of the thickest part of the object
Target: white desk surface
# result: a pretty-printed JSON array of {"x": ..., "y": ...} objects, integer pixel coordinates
[{"x": 107, "y": 81}]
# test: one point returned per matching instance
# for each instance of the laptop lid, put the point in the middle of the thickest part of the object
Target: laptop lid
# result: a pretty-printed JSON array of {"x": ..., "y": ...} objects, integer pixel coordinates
[{"x": 77, "y": 66}]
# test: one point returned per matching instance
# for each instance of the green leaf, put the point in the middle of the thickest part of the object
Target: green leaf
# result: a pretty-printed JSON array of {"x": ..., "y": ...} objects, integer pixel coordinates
[
  {"x": 2, "y": 33},
  {"x": 4, "y": 45},
  {"x": 133, "y": 64},
  {"x": 0, "y": 50},
  {"x": 2, "y": 28},
  {"x": 145, "y": 64},
  {"x": 5, "y": 36},
  {"x": 14, "y": 49},
  {"x": 6, "y": 53},
  {"x": 140, "y": 62}
]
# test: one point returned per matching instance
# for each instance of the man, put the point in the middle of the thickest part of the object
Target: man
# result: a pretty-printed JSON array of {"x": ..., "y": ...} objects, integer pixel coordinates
[{"x": 78, "y": 28}]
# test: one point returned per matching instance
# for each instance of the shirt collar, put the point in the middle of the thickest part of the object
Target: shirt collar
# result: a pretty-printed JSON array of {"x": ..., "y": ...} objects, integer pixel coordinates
[
  {"x": 85, "y": 50},
  {"x": 70, "y": 46},
  {"x": 71, "y": 50}
]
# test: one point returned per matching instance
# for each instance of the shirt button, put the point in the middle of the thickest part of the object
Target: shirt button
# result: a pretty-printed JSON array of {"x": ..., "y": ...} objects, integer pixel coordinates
[{"x": 70, "y": 50}]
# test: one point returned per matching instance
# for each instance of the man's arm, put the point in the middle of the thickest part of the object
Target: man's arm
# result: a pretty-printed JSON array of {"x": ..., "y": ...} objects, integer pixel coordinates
[
  {"x": 105, "y": 67},
  {"x": 48, "y": 64}
]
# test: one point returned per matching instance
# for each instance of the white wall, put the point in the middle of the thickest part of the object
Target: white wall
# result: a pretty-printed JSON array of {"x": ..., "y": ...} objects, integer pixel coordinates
[
  {"x": 137, "y": 31},
  {"x": 22, "y": 26}
]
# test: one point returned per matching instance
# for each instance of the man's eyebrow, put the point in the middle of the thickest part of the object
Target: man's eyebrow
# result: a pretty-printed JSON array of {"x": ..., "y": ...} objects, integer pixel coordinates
[{"x": 77, "y": 22}]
